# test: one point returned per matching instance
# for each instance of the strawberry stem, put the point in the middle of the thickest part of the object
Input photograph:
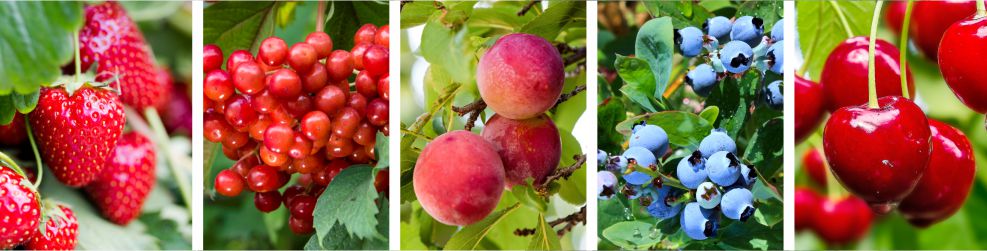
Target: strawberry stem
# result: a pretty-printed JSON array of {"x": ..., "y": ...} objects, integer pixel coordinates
[
  {"x": 903, "y": 47},
  {"x": 161, "y": 139},
  {"x": 34, "y": 147},
  {"x": 871, "y": 69}
]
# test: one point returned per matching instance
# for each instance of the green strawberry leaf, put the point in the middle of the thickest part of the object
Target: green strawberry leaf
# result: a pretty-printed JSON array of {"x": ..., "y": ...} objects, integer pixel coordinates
[
  {"x": 7, "y": 109},
  {"x": 349, "y": 200},
  {"x": 35, "y": 41}
]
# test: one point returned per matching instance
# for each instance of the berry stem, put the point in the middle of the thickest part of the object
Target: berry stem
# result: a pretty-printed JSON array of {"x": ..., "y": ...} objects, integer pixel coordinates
[
  {"x": 161, "y": 139},
  {"x": 903, "y": 47},
  {"x": 34, "y": 147},
  {"x": 981, "y": 10},
  {"x": 320, "y": 21},
  {"x": 871, "y": 69},
  {"x": 843, "y": 20}
]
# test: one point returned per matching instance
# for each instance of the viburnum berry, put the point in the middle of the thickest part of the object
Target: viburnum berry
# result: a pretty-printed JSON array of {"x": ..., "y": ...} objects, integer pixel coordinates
[
  {"x": 229, "y": 183},
  {"x": 339, "y": 147},
  {"x": 346, "y": 122},
  {"x": 321, "y": 42},
  {"x": 315, "y": 125},
  {"x": 236, "y": 58},
  {"x": 384, "y": 86},
  {"x": 377, "y": 112},
  {"x": 263, "y": 178},
  {"x": 340, "y": 65},
  {"x": 315, "y": 79},
  {"x": 248, "y": 77},
  {"x": 218, "y": 85},
  {"x": 358, "y": 102},
  {"x": 239, "y": 112},
  {"x": 330, "y": 99},
  {"x": 383, "y": 37},
  {"x": 284, "y": 84},
  {"x": 278, "y": 138},
  {"x": 272, "y": 51},
  {"x": 376, "y": 59},
  {"x": 272, "y": 158},
  {"x": 365, "y": 34},
  {"x": 302, "y": 56},
  {"x": 366, "y": 85},
  {"x": 357, "y": 53},
  {"x": 267, "y": 201},
  {"x": 212, "y": 57}
]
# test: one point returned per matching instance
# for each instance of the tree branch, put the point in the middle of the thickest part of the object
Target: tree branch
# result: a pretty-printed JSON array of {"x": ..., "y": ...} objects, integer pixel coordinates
[
  {"x": 473, "y": 109},
  {"x": 562, "y": 173},
  {"x": 570, "y": 221},
  {"x": 527, "y": 7},
  {"x": 567, "y": 96}
]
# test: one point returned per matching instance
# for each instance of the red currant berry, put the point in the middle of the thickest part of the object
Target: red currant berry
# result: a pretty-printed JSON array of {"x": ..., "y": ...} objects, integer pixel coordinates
[
  {"x": 384, "y": 86},
  {"x": 321, "y": 42},
  {"x": 377, "y": 112},
  {"x": 284, "y": 84},
  {"x": 365, "y": 34},
  {"x": 340, "y": 65},
  {"x": 212, "y": 57},
  {"x": 228, "y": 183},
  {"x": 218, "y": 85},
  {"x": 346, "y": 122},
  {"x": 262, "y": 178},
  {"x": 236, "y": 58},
  {"x": 330, "y": 99},
  {"x": 383, "y": 37},
  {"x": 302, "y": 56},
  {"x": 239, "y": 113},
  {"x": 315, "y": 125},
  {"x": 272, "y": 51},
  {"x": 357, "y": 52},
  {"x": 366, "y": 85},
  {"x": 248, "y": 78},
  {"x": 278, "y": 138},
  {"x": 267, "y": 201},
  {"x": 315, "y": 79}
]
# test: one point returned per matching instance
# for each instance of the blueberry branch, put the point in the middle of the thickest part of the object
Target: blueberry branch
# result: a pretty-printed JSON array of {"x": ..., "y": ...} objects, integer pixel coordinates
[{"x": 527, "y": 7}]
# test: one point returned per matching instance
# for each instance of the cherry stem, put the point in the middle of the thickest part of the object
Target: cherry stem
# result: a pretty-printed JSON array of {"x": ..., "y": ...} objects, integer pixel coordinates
[
  {"x": 981, "y": 10},
  {"x": 843, "y": 20},
  {"x": 319, "y": 16},
  {"x": 34, "y": 147},
  {"x": 903, "y": 49},
  {"x": 871, "y": 69}
]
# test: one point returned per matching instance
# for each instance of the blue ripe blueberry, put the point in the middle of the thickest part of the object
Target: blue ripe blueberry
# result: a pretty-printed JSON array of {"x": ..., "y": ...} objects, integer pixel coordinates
[
  {"x": 773, "y": 95},
  {"x": 708, "y": 195},
  {"x": 702, "y": 79},
  {"x": 778, "y": 31},
  {"x": 691, "y": 170},
  {"x": 723, "y": 168},
  {"x": 718, "y": 27},
  {"x": 747, "y": 29},
  {"x": 747, "y": 176},
  {"x": 637, "y": 178},
  {"x": 663, "y": 203},
  {"x": 642, "y": 156},
  {"x": 736, "y": 56},
  {"x": 606, "y": 185},
  {"x": 776, "y": 58},
  {"x": 650, "y": 137},
  {"x": 601, "y": 157},
  {"x": 737, "y": 204},
  {"x": 617, "y": 164},
  {"x": 716, "y": 141},
  {"x": 697, "y": 223},
  {"x": 689, "y": 40}
]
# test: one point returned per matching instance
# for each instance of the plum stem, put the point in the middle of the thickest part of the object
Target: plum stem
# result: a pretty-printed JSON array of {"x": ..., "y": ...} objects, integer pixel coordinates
[
  {"x": 527, "y": 7},
  {"x": 473, "y": 109},
  {"x": 903, "y": 49},
  {"x": 562, "y": 173},
  {"x": 871, "y": 69},
  {"x": 981, "y": 10},
  {"x": 569, "y": 95}
]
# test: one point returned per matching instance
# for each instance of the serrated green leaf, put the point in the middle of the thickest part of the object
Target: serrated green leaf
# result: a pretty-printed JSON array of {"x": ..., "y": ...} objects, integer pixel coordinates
[
  {"x": 382, "y": 149},
  {"x": 234, "y": 25},
  {"x": 35, "y": 41},
  {"x": 655, "y": 45},
  {"x": 545, "y": 237},
  {"x": 822, "y": 30},
  {"x": 470, "y": 236},
  {"x": 339, "y": 239},
  {"x": 349, "y": 200}
]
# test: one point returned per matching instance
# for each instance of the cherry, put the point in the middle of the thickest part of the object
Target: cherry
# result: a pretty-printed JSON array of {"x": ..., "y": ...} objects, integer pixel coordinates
[
  {"x": 212, "y": 57},
  {"x": 962, "y": 43},
  {"x": 357, "y": 53},
  {"x": 930, "y": 19},
  {"x": 321, "y": 42},
  {"x": 267, "y": 201},
  {"x": 383, "y": 37},
  {"x": 844, "y": 77},
  {"x": 302, "y": 56},
  {"x": 215, "y": 127},
  {"x": 248, "y": 78},
  {"x": 815, "y": 166},
  {"x": 330, "y": 99},
  {"x": 273, "y": 159},
  {"x": 272, "y": 51},
  {"x": 228, "y": 183},
  {"x": 236, "y": 58},
  {"x": 807, "y": 203},
  {"x": 843, "y": 220},
  {"x": 239, "y": 113},
  {"x": 375, "y": 60},
  {"x": 284, "y": 84},
  {"x": 358, "y": 103},
  {"x": 316, "y": 78},
  {"x": 278, "y": 138},
  {"x": 366, "y": 85},
  {"x": 947, "y": 181},
  {"x": 300, "y": 226},
  {"x": 878, "y": 154},
  {"x": 377, "y": 112},
  {"x": 291, "y": 193},
  {"x": 262, "y": 178},
  {"x": 301, "y": 147},
  {"x": 365, "y": 34},
  {"x": 808, "y": 107},
  {"x": 315, "y": 125},
  {"x": 218, "y": 85},
  {"x": 384, "y": 87},
  {"x": 346, "y": 122},
  {"x": 894, "y": 16},
  {"x": 366, "y": 134},
  {"x": 302, "y": 207},
  {"x": 340, "y": 65}
]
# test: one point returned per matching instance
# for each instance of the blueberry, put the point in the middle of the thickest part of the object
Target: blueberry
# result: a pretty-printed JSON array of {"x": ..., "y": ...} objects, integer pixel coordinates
[
  {"x": 606, "y": 185},
  {"x": 716, "y": 141},
  {"x": 723, "y": 168},
  {"x": 708, "y": 195},
  {"x": 697, "y": 223},
  {"x": 663, "y": 205},
  {"x": 702, "y": 79},
  {"x": 773, "y": 95},
  {"x": 718, "y": 27},
  {"x": 632, "y": 192},
  {"x": 650, "y": 137},
  {"x": 692, "y": 170},
  {"x": 736, "y": 56},
  {"x": 689, "y": 40},
  {"x": 747, "y": 176},
  {"x": 747, "y": 29},
  {"x": 601, "y": 157},
  {"x": 641, "y": 155},
  {"x": 617, "y": 164},
  {"x": 737, "y": 204},
  {"x": 637, "y": 178},
  {"x": 776, "y": 58},
  {"x": 778, "y": 31}
]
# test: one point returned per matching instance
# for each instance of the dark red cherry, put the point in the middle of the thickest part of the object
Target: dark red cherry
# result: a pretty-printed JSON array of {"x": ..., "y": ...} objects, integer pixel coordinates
[
  {"x": 807, "y": 204},
  {"x": 930, "y": 19},
  {"x": 960, "y": 53},
  {"x": 844, "y": 77},
  {"x": 815, "y": 165},
  {"x": 947, "y": 180},
  {"x": 809, "y": 108},
  {"x": 841, "y": 221}
]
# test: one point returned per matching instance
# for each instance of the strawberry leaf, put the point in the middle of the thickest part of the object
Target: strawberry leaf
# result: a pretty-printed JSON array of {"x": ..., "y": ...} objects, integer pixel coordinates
[
  {"x": 36, "y": 40},
  {"x": 349, "y": 200}
]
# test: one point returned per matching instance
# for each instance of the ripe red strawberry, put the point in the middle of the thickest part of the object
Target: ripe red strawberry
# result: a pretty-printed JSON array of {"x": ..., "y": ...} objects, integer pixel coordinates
[
  {"x": 61, "y": 231},
  {"x": 127, "y": 178},
  {"x": 13, "y": 132},
  {"x": 19, "y": 209},
  {"x": 76, "y": 133},
  {"x": 110, "y": 38}
]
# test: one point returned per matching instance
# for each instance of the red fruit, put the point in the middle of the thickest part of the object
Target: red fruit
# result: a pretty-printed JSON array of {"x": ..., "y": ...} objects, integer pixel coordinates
[
  {"x": 842, "y": 221},
  {"x": 267, "y": 201},
  {"x": 375, "y": 60},
  {"x": 346, "y": 122},
  {"x": 237, "y": 58},
  {"x": 299, "y": 106},
  {"x": 177, "y": 112},
  {"x": 315, "y": 125},
  {"x": 383, "y": 37},
  {"x": 212, "y": 57},
  {"x": 278, "y": 138},
  {"x": 358, "y": 103},
  {"x": 807, "y": 204},
  {"x": 808, "y": 107},
  {"x": 459, "y": 178},
  {"x": 302, "y": 207},
  {"x": 330, "y": 99},
  {"x": 215, "y": 127},
  {"x": 930, "y": 19},
  {"x": 359, "y": 156},
  {"x": 272, "y": 51},
  {"x": 315, "y": 79},
  {"x": 946, "y": 183},
  {"x": 20, "y": 213},
  {"x": 339, "y": 147},
  {"x": 365, "y": 34},
  {"x": 77, "y": 133},
  {"x": 384, "y": 87},
  {"x": 878, "y": 154},
  {"x": 815, "y": 166},
  {"x": 321, "y": 42},
  {"x": 324, "y": 177},
  {"x": 358, "y": 52},
  {"x": 248, "y": 78},
  {"x": 263, "y": 179},
  {"x": 264, "y": 102},
  {"x": 112, "y": 39},
  {"x": 380, "y": 182},
  {"x": 229, "y": 183},
  {"x": 962, "y": 43},
  {"x": 242, "y": 166},
  {"x": 340, "y": 65},
  {"x": 14, "y": 132},
  {"x": 366, "y": 85},
  {"x": 308, "y": 164},
  {"x": 300, "y": 226},
  {"x": 291, "y": 193},
  {"x": 236, "y": 140},
  {"x": 377, "y": 112},
  {"x": 273, "y": 159},
  {"x": 239, "y": 113},
  {"x": 894, "y": 16},
  {"x": 258, "y": 128},
  {"x": 365, "y": 135},
  {"x": 285, "y": 84},
  {"x": 126, "y": 180},
  {"x": 844, "y": 77},
  {"x": 302, "y": 56},
  {"x": 61, "y": 232},
  {"x": 301, "y": 147},
  {"x": 528, "y": 148},
  {"x": 520, "y": 76}
]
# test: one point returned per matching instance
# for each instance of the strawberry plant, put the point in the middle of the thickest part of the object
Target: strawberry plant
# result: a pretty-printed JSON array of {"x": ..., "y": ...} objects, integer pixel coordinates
[
  {"x": 690, "y": 125},
  {"x": 902, "y": 68},
  {"x": 88, "y": 107},
  {"x": 491, "y": 154},
  {"x": 297, "y": 125}
]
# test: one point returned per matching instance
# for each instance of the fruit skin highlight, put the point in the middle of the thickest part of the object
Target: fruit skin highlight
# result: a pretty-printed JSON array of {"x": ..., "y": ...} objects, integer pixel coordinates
[
  {"x": 459, "y": 178},
  {"x": 520, "y": 76},
  {"x": 947, "y": 181},
  {"x": 529, "y": 148}
]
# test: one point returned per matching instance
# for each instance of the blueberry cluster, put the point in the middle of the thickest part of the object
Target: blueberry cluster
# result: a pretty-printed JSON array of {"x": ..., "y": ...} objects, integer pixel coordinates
[
  {"x": 715, "y": 178},
  {"x": 743, "y": 46}
]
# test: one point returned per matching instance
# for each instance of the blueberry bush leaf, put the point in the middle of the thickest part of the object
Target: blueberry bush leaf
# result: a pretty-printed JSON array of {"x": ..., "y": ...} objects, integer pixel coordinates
[{"x": 655, "y": 46}]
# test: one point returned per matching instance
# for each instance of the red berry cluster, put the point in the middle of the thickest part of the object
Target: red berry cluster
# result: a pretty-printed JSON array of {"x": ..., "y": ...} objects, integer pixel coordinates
[{"x": 292, "y": 110}]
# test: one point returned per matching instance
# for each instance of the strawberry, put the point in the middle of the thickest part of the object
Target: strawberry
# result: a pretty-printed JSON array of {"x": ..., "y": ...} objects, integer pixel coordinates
[
  {"x": 76, "y": 132},
  {"x": 127, "y": 178},
  {"x": 19, "y": 209},
  {"x": 13, "y": 132},
  {"x": 111, "y": 39},
  {"x": 61, "y": 231}
]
